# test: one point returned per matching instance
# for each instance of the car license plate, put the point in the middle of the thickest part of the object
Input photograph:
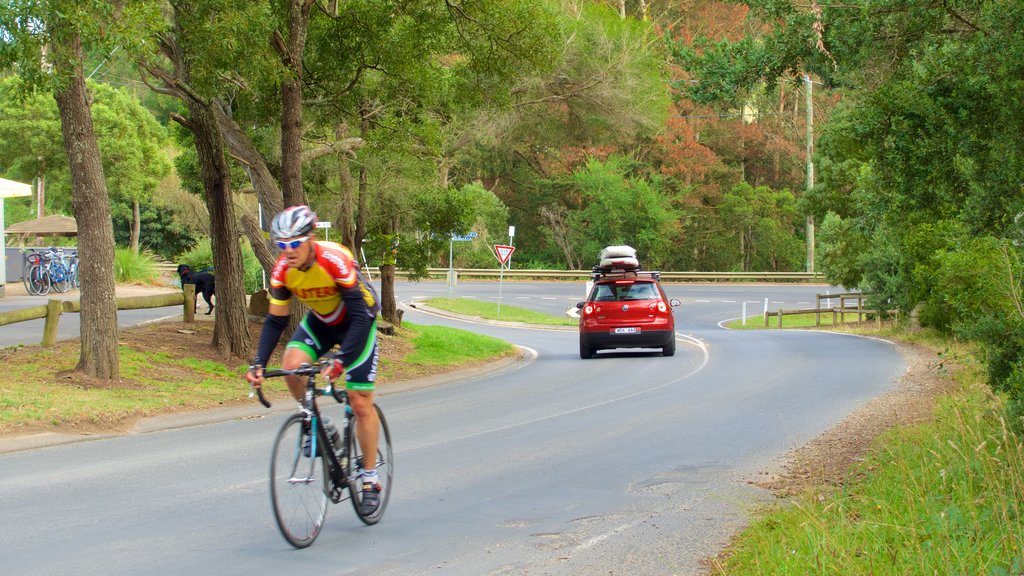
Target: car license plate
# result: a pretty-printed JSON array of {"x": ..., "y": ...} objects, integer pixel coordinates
[{"x": 630, "y": 330}]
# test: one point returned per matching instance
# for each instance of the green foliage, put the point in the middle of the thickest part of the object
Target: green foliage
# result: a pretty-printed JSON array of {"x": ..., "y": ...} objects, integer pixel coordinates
[
  {"x": 767, "y": 222},
  {"x": 620, "y": 208},
  {"x": 163, "y": 234},
  {"x": 131, "y": 143},
  {"x": 200, "y": 257},
  {"x": 130, "y": 267}
]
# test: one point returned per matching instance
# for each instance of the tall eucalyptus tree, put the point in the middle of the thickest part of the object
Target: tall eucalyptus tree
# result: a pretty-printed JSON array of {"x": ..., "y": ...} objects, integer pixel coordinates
[{"x": 45, "y": 43}]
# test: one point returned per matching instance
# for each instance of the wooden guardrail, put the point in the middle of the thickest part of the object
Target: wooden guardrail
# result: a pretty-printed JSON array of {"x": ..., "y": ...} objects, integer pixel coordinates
[
  {"x": 442, "y": 273},
  {"x": 53, "y": 309},
  {"x": 839, "y": 313}
]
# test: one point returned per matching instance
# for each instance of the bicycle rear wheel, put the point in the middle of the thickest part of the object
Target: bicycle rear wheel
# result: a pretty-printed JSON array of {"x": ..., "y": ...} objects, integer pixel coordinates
[
  {"x": 298, "y": 485},
  {"x": 385, "y": 467}
]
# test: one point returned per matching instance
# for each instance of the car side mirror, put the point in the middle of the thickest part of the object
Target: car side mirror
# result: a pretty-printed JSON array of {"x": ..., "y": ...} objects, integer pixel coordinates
[
  {"x": 675, "y": 302},
  {"x": 580, "y": 305}
]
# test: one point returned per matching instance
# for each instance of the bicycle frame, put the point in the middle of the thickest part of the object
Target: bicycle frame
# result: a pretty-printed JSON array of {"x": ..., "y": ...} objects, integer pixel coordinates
[{"x": 337, "y": 456}]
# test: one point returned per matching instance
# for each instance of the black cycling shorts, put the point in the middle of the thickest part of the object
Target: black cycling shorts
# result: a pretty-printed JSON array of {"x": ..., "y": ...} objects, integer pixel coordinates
[{"x": 316, "y": 339}]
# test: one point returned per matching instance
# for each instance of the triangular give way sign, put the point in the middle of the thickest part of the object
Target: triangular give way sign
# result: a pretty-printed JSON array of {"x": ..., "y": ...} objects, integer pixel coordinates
[{"x": 504, "y": 252}]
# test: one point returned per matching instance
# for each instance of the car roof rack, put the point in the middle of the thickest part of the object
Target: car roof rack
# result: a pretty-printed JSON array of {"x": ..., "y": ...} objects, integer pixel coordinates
[{"x": 610, "y": 272}]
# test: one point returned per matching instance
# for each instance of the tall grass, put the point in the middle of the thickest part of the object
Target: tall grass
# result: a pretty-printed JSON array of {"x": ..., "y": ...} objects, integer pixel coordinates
[
  {"x": 130, "y": 267},
  {"x": 938, "y": 498}
]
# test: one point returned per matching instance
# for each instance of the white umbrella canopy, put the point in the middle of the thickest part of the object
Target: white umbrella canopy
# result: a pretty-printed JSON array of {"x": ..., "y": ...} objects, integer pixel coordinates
[{"x": 8, "y": 189}]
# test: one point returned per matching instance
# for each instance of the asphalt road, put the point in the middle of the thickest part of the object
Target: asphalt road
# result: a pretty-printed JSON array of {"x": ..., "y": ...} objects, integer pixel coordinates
[{"x": 627, "y": 464}]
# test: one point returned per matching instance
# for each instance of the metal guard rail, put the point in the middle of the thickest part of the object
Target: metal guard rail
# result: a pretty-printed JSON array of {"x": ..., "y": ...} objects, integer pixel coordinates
[{"x": 811, "y": 277}]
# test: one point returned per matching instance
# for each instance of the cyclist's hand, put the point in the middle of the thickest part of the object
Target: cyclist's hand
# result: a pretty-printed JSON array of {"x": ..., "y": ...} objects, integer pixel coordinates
[
  {"x": 332, "y": 369},
  {"x": 255, "y": 375}
]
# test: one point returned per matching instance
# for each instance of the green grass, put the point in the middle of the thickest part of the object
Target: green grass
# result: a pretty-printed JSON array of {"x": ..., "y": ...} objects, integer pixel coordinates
[
  {"x": 944, "y": 497},
  {"x": 35, "y": 390},
  {"x": 442, "y": 346},
  {"x": 489, "y": 311}
]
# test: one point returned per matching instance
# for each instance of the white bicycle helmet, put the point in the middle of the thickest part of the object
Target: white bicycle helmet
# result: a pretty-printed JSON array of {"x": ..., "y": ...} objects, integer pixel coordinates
[{"x": 293, "y": 221}]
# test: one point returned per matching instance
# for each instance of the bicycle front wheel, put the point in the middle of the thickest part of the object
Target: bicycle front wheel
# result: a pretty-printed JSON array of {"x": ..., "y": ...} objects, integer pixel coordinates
[
  {"x": 385, "y": 467},
  {"x": 298, "y": 484},
  {"x": 37, "y": 281},
  {"x": 59, "y": 278}
]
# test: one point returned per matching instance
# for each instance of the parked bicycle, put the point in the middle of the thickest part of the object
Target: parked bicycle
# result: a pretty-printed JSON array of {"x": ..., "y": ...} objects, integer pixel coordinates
[
  {"x": 37, "y": 281},
  {"x": 57, "y": 270},
  {"x": 312, "y": 461}
]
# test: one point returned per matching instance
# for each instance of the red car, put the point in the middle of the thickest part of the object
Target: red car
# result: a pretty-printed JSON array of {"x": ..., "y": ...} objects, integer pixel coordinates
[{"x": 626, "y": 309}]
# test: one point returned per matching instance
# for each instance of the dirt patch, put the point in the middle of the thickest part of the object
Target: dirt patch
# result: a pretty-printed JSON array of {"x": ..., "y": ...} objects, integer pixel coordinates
[{"x": 830, "y": 459}]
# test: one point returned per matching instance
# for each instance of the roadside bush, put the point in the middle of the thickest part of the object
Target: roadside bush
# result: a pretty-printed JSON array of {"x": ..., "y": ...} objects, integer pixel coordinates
[{"x": 131, "y": 267}]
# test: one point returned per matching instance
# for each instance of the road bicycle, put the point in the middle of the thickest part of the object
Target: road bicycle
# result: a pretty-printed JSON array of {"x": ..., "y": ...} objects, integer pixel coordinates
[{"x": 308, "y": 469}]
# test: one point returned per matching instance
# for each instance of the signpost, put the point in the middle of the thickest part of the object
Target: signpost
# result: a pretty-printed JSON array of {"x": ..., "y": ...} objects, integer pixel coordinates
[
  {"x": 503, "y": 253},
  {"x": 452, "y": 280},
  {"x": 327, "y": 229}
]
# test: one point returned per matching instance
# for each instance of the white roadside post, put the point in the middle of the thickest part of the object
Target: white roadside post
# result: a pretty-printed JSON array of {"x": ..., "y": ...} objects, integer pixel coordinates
[{"x": 511, "y": 238}]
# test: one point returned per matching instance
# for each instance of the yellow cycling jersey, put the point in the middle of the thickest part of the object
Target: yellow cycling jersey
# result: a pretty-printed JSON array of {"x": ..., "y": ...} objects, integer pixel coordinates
[{"x": 331, "y": 286}]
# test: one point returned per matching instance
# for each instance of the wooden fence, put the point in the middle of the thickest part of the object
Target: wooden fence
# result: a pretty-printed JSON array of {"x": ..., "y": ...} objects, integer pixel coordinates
[
  {"x": 839, "y": 313},
  {"x": 53, "y": 309}
]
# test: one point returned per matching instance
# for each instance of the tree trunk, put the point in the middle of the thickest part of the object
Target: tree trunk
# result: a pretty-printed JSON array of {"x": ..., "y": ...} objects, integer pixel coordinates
[
  {"x": 98, "y": 356},
  {"x": 251, "y": 229},
  {"x": 230, "y": 331},
  {"x": 364, "y": 191},
  {"x": 291, "y": 103},
  {"x": 388, "y": 303},
  {"x": 268, "y": 193},
  {"x": 136, "y": 227},
  {"x": 346, "y": 208}
]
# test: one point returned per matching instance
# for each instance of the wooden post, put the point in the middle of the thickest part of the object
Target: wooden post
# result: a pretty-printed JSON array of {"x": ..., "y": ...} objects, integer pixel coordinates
[
  {"x": 780, "y": 317},
  {"x": 53, "y": 310},
  {"x": 189, "y": 315}
]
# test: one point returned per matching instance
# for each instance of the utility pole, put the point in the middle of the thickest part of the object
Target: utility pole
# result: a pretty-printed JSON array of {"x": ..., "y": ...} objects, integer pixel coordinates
[{"x": 810, "y": 168}]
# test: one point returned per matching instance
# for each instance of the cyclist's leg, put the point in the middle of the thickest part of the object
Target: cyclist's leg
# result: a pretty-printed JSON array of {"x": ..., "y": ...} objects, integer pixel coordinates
[
  {"x": 360, "y": 376},
  {"x": 310, "y": 340}
]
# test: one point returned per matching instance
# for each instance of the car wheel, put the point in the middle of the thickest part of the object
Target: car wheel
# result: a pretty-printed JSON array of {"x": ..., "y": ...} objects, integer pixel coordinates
[
  {"x": 670, "y": 349},
  {"x": 586, "y": 352}
]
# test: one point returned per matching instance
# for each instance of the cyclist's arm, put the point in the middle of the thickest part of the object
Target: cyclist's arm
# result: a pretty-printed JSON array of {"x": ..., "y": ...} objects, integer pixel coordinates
[
  {"x": 360, "y": 321},
  {"x": 277, "y": 314}
]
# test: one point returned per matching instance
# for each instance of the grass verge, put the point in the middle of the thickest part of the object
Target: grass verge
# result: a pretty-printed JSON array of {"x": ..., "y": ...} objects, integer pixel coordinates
[
  {"x": 169, "y": 367},
  {"x": 471, "y": 307},
  {"x": 944, "y": 497}
]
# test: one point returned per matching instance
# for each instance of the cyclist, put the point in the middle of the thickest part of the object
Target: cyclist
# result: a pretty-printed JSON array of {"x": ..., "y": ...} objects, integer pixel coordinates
[{"x": 343, "y": 309}]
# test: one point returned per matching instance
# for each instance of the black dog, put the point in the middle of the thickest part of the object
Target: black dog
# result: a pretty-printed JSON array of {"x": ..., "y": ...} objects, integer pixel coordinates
[{"x": 203, "y": 282}]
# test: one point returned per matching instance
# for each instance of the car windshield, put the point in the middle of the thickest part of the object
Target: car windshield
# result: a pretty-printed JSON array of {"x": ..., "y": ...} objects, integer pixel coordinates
[{"x": 618, "y": 292}]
